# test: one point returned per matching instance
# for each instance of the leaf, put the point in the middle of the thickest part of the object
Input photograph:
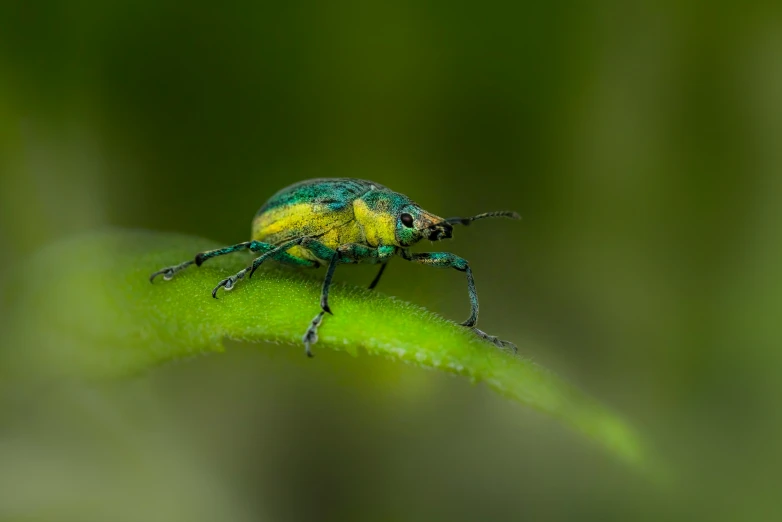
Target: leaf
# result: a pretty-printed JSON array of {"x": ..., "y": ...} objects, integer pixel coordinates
[{"x": 84, "y": 307}]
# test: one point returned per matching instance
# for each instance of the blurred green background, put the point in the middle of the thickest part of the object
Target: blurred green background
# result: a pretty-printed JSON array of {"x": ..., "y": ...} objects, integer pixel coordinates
[{"x": 640, "y": 141}]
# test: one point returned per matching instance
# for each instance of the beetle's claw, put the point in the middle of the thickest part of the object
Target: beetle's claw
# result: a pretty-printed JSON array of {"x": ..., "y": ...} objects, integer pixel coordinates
[
  {"x": 311, "y": 335},
  {"x": 310, "y": 338},
  {"x": 496, "y": 341},
  {"x": 228, "y": 284},
  {"x": 170, "y": 271},
  {"x": 307, "y": 347},
  {"x": 167, "y": 274},
  {"x": 508, "y": 345}
]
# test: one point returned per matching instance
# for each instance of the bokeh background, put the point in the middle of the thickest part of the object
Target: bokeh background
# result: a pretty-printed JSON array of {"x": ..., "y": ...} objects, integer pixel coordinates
[{"x": 641, "y": 142}]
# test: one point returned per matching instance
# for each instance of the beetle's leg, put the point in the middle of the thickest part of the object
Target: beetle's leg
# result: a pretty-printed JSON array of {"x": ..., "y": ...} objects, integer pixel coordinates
[
  {"x": 269, "y": 251},
  {"x": 276, "y": 251},
  {"x": 255, "y": 246},
  {"x": 320, "y": 251},
  {"x": 169, "y": 272},
  {"x": 311, "y": 335},
  {"x": 376, "y": 280},
  {"x": 496, "y": 341},
  {"x": 353, "y": 253},
  {"x": 448, "y": 260},
  {"x": 347, "y": 253}
]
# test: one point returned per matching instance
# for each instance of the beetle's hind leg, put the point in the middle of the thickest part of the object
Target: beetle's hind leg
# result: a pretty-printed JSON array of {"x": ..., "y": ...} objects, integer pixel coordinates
[
  {"x": 277, "y": 253},
  {"x": 170, "y": 271}
]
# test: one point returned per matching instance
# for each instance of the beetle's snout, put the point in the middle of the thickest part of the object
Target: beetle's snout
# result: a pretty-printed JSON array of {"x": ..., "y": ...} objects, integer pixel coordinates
[{"x": 439, "y": 231}]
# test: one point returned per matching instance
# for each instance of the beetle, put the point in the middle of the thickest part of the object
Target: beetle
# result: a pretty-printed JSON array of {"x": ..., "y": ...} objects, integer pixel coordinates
[{"x": 332, "y": 221}]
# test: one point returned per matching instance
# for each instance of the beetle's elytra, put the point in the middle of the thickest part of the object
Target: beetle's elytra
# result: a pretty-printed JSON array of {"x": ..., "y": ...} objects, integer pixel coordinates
[{"x": 334, "y": 221}]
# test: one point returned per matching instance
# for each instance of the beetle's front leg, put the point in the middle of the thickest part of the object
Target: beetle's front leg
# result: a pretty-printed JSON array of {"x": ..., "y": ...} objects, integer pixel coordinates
[{"x": 448, "y": 260}]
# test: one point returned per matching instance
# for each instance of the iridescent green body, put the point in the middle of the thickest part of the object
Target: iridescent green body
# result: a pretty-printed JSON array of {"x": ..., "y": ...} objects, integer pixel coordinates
[{"x": 334, "y": 221}]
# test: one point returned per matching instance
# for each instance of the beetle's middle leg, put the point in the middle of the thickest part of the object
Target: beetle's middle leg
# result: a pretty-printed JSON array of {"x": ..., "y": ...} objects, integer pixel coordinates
[
  {"x": 311, "y": 335},
  {"x": 376, "y": 280},
  {"x": 344, "y": 254}
]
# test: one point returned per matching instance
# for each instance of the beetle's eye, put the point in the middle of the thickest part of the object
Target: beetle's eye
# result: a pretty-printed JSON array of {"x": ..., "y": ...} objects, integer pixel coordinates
[{"x": 407, "y": 220}]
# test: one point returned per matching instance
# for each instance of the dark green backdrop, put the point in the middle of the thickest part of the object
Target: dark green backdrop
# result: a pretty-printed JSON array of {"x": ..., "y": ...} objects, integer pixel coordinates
[{"x": 640, "y": 141}]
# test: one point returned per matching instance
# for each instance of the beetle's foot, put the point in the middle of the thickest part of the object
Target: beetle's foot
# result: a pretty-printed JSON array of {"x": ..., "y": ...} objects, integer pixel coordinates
[
  {"x": 228, "y": 283},
  {"x": 170, "y": 271},
  {"x": 311, "y": 335},
  {"x": 496, "y": 341}
]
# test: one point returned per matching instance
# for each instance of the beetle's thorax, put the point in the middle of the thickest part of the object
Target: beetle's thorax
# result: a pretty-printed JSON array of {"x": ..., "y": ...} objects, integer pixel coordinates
[{"x": 377, "y": 224}]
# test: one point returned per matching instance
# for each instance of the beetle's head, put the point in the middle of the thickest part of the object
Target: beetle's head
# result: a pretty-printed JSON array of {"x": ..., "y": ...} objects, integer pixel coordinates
[
  {"x": 390, "y": 218},
  {"x": 414, "y": 224}
]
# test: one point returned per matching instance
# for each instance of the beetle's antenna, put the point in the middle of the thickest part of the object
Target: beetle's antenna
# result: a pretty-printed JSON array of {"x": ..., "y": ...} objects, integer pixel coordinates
[{"x": 466, "y": 221}]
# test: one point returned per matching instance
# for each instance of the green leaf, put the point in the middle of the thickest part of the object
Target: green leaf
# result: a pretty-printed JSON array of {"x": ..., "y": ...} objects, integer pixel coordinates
[{"x": 85, "y": 307}]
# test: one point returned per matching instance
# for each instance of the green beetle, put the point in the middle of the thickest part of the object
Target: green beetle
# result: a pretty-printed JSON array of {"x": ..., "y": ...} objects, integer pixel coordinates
[{"x": 333, "y": 221}]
